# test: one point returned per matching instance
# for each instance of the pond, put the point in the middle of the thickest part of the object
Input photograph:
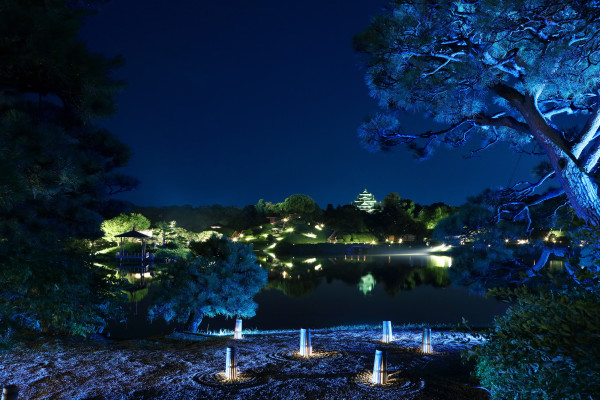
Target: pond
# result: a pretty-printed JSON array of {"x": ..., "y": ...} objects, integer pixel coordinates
[{"x": 325, "y": 292}]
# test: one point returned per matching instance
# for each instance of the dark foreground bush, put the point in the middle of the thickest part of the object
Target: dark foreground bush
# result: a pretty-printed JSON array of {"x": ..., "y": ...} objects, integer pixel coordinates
[{"x": 547, "y": 346}]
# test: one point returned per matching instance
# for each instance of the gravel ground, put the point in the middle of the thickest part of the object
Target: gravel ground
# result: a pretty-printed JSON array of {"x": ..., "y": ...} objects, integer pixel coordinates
[{"x": 270, "y": 368}]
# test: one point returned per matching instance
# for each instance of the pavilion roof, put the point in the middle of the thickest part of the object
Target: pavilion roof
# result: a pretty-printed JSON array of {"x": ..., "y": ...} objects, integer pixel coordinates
[{"x": 133, "y": 234}]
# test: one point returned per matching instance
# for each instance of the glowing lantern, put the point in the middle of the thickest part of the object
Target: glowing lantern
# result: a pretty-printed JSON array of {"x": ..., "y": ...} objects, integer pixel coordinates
[
  {"x": 387, "y": 332},
  {"x": 237, "y": 333},
  {"x": 380, "y": 374},
  {"x": 305, "y": 346},
  {"x": 231, "y": 370},
  {"x": 426, "y": 347}
]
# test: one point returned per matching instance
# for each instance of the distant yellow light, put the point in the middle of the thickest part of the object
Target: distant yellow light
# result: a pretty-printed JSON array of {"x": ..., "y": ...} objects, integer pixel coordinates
[
  {"x": 317, "y": 267},
  {"x": 310, "y": 260}
]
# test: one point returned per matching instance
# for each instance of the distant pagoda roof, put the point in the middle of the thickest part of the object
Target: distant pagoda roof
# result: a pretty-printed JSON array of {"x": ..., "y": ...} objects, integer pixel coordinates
[{"x": 365, "y": 201}]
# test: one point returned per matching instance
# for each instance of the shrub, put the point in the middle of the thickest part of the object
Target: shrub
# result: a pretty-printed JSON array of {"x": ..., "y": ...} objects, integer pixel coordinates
[{"x": 547, "y": 346}]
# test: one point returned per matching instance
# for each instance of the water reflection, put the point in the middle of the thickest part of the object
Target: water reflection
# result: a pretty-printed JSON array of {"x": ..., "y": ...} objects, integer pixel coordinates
[
  {"x": 299, "y": 278},
  {"x": 322, "y": 292},
  {"x": 366, "y": 284}
]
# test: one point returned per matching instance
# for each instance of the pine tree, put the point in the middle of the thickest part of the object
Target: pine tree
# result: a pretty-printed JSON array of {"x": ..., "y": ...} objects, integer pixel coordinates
[
  {"x": 58, "y": 169},
  {"x": 514, "y": 71}
]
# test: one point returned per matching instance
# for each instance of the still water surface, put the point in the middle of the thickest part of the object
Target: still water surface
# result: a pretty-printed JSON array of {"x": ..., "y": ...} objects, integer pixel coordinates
[{"x": 325, "y": 292}]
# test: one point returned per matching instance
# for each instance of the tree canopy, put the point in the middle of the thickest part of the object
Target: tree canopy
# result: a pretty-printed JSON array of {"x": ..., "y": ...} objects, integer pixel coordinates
[
  {"x": 60, "y": 168},
  {"x": 123, "y": 223},
  {"x": 221, "y": 280},
  {"x": 525, "y": 72},
  {"x": 301, "y": 204}
]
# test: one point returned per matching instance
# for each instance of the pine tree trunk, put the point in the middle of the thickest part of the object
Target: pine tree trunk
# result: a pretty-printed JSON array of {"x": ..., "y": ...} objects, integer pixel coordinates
[
  {"x": 194, "y": 322},
  {"x": 579, "y": 187},
  {"x": 581, "y": 191}
]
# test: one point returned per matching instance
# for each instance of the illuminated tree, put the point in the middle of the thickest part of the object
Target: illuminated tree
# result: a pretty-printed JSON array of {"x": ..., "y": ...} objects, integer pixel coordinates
[
  {"x": 223, "y": 281},
  {"x": 300, "y": 204},
  {"x": 523, "y": 72},
  {"x": 123, "y": 223}
]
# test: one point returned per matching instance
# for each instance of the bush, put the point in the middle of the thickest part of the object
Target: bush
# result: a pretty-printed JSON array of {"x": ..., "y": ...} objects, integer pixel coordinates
[
  {"x": 547, "y": 346},
  {"x": 363, "y": 237},
  {"x": 172, "y": 254}
]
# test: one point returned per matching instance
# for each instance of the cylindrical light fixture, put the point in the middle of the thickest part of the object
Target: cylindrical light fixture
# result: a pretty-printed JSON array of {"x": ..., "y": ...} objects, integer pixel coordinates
[
  {"x": 231, "y": 370},
  {"x": 387, "y": 332},
  {"x": 380, "y": 373},
  {"x": 237, "y": 333},
  {"x": 305, "y": 345},
  {"x": 426, "y": 347}
]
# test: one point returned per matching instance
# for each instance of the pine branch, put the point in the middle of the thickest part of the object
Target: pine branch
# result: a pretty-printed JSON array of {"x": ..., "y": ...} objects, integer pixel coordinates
[
  {"x": 502, "y": 120},
  {"x": 588, "y": 133}
]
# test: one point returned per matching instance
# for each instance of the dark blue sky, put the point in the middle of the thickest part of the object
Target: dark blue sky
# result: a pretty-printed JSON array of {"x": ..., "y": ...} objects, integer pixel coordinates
[{"x": 230, "y": 101}]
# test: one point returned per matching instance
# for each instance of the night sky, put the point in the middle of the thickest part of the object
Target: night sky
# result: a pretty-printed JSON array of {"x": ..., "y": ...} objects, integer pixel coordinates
[{"x": 230, "y": 101}]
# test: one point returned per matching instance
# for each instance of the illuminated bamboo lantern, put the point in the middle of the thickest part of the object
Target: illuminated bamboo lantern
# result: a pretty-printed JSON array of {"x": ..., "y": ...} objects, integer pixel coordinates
[
  {"x": 231, "y": 370},
  {"x": 10, "y": 392},
  {"x": 426, "y": 347},
  {"x": 237, "y": 334},
  {"x": 305, "y": 346},
  {"x": 387, "y": 332},
  {"x": 380, "y": 373}
]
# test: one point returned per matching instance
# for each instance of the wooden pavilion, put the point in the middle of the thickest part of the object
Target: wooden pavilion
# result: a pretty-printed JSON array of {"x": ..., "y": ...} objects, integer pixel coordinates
[{"x": 133, "y": 234}]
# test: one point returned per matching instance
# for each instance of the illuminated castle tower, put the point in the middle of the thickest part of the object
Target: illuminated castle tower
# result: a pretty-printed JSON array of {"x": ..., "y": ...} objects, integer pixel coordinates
[{"x": 365, "y": 202}]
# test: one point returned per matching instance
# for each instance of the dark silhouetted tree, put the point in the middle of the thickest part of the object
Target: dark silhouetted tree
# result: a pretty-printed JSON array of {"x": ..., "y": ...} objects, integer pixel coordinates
[{"x": 59, "y": 169}]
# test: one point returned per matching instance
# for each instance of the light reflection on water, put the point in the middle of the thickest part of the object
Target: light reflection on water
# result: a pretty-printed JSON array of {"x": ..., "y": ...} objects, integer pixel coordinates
[{"x": 323, "y": 292}]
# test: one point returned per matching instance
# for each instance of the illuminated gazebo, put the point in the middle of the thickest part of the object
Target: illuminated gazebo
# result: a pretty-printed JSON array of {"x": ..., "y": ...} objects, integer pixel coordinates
[{"x": 133, "y": 234}]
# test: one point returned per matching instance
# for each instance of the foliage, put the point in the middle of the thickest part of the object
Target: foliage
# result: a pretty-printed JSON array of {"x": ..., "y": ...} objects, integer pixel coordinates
[
  {"x": 486, "y": 250},
  {"x": 62, "y": 169},
  {"x": 172, "y": 254},
  {"x": 502, "y": 70},
  {"x": 545, "y": 347},
  {"x": 300, "y": 204},
  {"x": 269, "y": 209},
  {"x": 175, "y": 237},
  {"x": 58, "y": 291},
  {"x": 123, "y": 223},
  {"x": 221, "y": 284},
  {"x": 396, "y": 218},
  {"x": 195, "y": 219}
]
